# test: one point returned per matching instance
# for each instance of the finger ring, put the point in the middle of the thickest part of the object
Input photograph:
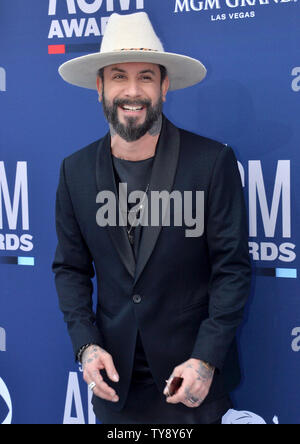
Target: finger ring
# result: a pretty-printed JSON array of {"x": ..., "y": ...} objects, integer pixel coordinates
[
  {"x": 92, "y": 385},
  {"x": 193, "y": 400}
]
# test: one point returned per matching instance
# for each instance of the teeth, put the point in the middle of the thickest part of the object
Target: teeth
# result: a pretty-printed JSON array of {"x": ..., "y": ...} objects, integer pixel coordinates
[{"x": 132, "y": 108}]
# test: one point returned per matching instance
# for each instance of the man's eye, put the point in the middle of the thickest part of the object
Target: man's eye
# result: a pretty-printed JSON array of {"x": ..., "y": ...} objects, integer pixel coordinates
[
  {"x": 119, "y": 76},
  {"x": 147, "y": 78}
]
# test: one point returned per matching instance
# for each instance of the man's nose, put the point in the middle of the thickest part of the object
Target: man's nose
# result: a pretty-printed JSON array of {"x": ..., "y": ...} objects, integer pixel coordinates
[{"x": 133, "y": 89}]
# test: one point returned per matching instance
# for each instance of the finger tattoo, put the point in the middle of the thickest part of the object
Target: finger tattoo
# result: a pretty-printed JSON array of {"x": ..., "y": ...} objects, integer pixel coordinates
[{"x": 190, "y": 398}]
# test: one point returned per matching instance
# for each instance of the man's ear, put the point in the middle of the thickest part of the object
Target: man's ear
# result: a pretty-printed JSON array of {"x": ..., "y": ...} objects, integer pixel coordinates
[
  {"x": 165, "y": 87},
  {"x": 99, "y": 88}
]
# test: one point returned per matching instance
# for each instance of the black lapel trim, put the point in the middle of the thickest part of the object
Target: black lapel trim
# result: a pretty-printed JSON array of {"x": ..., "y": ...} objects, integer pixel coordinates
[
  {"x": 106, "y": 181},
  {"x": 162, "y": 178}
]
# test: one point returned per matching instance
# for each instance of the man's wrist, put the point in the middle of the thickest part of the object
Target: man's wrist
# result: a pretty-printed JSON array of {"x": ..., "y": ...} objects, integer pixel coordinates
[
  {"x": 81, "y": 351},
  {"x": 208, "y": 365}
]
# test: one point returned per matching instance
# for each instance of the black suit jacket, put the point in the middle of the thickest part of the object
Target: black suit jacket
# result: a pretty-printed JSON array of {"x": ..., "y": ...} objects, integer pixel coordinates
[{"x": 192, "y": 290}]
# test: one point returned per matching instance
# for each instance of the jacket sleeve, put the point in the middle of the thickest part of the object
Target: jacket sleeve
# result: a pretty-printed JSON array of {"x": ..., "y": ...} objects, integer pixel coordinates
[
  {"x": 73, "y": 268},
  {"x": 227, "y": 242}
]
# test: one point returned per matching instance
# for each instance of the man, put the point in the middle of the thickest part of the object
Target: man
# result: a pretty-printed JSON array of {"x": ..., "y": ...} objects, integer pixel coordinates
[{"x": 169, "y": 299}]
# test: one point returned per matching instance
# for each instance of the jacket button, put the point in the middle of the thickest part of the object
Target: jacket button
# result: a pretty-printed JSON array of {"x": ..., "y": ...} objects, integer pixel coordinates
[{"x": 137, "y": 298}]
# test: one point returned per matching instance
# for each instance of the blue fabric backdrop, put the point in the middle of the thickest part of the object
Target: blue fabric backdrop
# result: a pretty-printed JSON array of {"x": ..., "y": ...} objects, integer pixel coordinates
[{"x": 249, "y": 100}]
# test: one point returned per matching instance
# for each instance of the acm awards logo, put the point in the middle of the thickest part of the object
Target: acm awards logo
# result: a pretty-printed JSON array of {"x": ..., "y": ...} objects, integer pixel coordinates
[
  {"x": 274, "y": 222},
  {"x": 13, "y": 202},
  {"x": 87, "y": 26},
  {"x": 5, "y": 399},
  {"x": 74, "y": 406},
  {"x": 14, "y": 210}
]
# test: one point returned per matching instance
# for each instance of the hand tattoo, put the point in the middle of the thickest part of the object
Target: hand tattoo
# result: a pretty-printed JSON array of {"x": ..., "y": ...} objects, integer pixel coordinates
[
  {"x": 91, "y": 354},
  {"x": 204, "y": 372}
]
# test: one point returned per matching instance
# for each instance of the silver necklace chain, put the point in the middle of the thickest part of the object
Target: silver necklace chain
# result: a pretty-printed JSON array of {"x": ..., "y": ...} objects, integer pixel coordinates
[{"x": 141, "y": 206}]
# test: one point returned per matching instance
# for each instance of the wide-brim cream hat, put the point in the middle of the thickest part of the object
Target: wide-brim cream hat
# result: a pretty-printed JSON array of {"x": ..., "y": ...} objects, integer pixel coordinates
[{"x": 131, "y": 38}]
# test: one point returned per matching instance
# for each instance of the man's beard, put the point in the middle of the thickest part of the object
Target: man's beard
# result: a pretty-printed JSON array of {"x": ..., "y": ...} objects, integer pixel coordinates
[{"x": 132, "y": 131}]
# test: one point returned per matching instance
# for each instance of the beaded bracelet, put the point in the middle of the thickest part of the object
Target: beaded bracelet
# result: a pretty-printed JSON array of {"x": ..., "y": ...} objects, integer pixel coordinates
[{"x": 81, "y": 351}]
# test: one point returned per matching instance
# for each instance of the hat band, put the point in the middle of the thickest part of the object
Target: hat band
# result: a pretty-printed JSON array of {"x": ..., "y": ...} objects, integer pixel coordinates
[{"x": 136, "y": 49}]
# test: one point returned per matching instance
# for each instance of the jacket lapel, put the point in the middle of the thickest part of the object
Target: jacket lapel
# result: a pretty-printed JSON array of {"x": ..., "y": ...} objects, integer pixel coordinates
[
  {"x": 106, "y": 181},
  {"x": 162, "y": 178}
]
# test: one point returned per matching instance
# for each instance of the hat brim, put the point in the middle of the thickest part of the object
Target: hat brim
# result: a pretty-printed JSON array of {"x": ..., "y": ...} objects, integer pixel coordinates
[{"x": 183, "y": 71}]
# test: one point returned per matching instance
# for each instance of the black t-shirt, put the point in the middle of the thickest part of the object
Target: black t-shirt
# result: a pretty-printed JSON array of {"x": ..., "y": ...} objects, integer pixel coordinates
[{"x": 136, "y": 174}]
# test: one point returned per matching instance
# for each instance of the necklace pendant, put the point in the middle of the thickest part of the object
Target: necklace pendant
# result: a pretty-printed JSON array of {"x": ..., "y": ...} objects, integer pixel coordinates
[{"x": 131, "y": 238}]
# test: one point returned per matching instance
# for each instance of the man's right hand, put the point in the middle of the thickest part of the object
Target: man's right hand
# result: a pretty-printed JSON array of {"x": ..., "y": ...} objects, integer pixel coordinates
[{"x": 95, "y": 359}]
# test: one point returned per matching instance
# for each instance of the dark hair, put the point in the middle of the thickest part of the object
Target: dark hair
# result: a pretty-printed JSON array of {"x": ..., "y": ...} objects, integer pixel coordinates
[{"x": 163, "y": 73}]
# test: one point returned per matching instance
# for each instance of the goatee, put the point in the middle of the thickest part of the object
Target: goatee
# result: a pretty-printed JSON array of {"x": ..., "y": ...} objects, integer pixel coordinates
[{"x": 132, "y": 131}]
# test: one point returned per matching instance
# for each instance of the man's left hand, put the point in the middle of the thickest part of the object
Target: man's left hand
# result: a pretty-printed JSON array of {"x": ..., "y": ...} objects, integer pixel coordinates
[{"x": 197, "y": 378}]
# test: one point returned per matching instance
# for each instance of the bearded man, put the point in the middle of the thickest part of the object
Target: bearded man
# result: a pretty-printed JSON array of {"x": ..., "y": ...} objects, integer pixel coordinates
[{"x": 168, "y": 301}]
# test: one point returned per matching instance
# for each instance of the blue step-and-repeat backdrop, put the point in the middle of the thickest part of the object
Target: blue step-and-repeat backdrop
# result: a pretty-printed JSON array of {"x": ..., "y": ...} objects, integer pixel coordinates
[{"x": 249, "y": 100}]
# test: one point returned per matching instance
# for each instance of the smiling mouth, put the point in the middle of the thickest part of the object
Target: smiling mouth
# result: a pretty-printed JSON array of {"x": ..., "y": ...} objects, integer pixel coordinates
[{"x": 132, "y": 108}]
